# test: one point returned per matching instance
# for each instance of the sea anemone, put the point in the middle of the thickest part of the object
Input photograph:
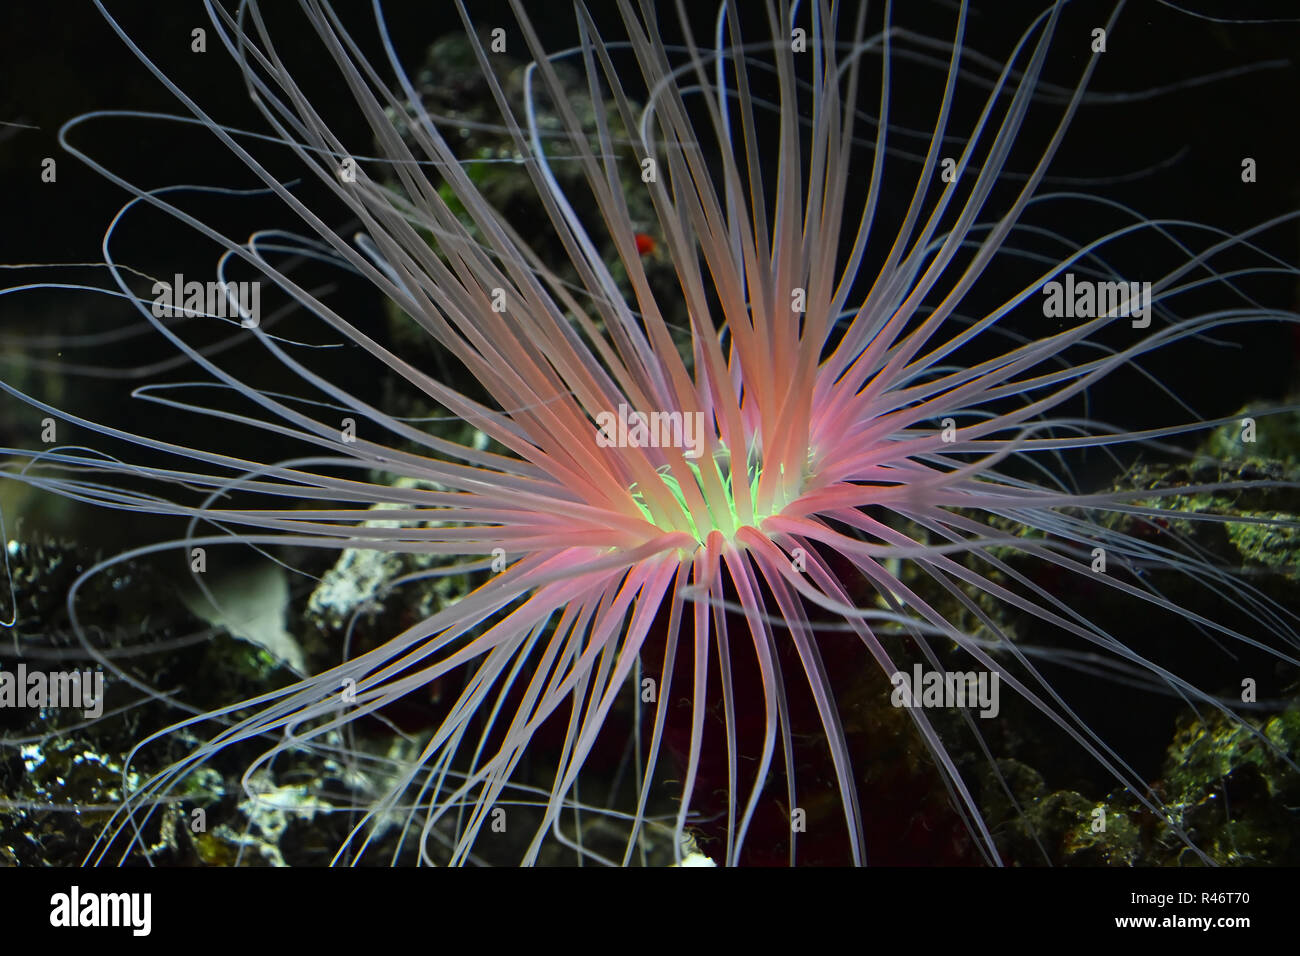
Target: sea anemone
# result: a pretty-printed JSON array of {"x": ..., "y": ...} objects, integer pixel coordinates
[{"x": 756, "y": 430}]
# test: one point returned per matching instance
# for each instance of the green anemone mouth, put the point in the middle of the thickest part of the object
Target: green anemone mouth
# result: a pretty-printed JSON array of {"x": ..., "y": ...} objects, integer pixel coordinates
[{"x": 723, "y": 515}]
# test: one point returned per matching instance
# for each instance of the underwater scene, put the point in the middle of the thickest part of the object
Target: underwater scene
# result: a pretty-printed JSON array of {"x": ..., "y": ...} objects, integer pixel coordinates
[{"x": 640, "y": 433}]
